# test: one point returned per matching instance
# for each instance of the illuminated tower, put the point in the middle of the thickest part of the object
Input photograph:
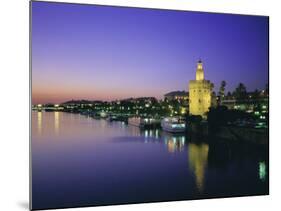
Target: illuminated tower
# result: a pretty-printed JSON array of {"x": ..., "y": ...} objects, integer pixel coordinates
[
  {"x": 199, "y": 93},
  {"x": 199, "y": 71}
]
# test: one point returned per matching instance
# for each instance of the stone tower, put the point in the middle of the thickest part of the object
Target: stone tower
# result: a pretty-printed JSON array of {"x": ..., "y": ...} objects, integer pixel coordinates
[{"x": 200, "y": 91}]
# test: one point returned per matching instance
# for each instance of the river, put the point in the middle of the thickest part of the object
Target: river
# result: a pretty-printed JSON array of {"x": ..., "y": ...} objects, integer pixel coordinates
[{"x": 80, "y": 161}]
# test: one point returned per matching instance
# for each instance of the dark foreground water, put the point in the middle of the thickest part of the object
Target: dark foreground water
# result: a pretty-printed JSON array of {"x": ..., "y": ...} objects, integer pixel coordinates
[{"x": 79, "y": 161}]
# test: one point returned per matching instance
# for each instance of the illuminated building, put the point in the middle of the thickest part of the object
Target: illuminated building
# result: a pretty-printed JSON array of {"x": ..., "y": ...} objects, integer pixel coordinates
[
  {"x": 249, "y": 104},
  {"x": 176, "y": 95},
  {"x": 200, "y": 91}
]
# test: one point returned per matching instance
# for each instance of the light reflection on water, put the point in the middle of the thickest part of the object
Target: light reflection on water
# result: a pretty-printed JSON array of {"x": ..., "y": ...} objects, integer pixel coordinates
[
  {"x": 262, "y": 171},
  {"x": 39, "y": 123},
  {"x": 93, "y": 150},
  {"x": 198, "y": 161},
  {"x": 57, "y": 121}
]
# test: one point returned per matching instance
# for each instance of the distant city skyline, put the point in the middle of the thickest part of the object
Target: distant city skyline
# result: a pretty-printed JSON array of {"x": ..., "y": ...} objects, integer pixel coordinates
[{"x": 107, "y": 53}]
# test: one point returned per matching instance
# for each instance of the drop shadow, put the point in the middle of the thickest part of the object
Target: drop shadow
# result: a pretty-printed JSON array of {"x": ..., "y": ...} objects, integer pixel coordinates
[{"x": 24, "y": 205}]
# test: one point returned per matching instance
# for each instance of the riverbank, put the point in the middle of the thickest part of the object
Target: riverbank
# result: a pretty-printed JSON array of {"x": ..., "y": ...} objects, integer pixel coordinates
[{"x": 232, "y": 133}]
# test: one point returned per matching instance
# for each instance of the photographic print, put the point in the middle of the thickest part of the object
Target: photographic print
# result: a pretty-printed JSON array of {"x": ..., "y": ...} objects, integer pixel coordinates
[{"x": 137, "y": 105}]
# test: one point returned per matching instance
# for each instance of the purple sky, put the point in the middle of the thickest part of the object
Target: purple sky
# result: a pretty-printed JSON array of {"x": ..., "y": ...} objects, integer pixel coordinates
[{"x": 107, "y": 53}]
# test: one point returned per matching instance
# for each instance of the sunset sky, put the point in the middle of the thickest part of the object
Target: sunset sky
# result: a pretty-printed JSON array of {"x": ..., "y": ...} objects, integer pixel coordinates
[{"x": 107, "y": 53}]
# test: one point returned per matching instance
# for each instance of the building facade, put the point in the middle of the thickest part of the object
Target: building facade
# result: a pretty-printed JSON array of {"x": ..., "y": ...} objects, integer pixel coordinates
[{"x": 200, "y": 93}]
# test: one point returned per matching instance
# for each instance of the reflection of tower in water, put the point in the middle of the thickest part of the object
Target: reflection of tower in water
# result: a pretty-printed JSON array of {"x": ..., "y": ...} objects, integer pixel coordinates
[
  {"x": 57, "y": 121},
  {"x": 198, "y": 161}
]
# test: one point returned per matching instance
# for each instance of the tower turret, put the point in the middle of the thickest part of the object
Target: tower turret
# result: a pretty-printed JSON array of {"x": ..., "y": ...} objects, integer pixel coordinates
[{"x": 199, "y": 71}]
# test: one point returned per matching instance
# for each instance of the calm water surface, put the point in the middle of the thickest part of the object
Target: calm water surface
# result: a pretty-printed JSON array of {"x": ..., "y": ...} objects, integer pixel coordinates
[{"x": 79, "y": 161}]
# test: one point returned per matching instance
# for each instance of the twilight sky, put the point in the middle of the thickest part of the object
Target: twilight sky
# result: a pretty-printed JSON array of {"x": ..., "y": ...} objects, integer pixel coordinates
[{"x": 107, "y": 53}]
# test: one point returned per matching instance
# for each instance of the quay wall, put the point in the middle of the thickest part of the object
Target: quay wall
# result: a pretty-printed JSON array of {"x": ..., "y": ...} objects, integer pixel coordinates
[
  {"x": 253, "y": 135},
  {"x": 233, "y": 133}
]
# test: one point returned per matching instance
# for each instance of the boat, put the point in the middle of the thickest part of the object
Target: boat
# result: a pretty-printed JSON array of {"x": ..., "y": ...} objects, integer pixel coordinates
[
  {"x": 120, "y": 118},
  {"x": 143, "y": 122},
  {"x": 173, "y": 125},
  {"x": 112, "y": 118}
]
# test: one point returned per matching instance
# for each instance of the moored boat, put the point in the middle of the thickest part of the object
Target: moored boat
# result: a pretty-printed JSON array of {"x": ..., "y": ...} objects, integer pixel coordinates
[
  {"x": 173, "y": 125},
  {"x": 143, "y": 122}
]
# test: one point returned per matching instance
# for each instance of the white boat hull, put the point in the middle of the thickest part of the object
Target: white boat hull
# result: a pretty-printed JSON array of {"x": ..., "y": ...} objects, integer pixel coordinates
[{"x": 172, "y": 126}]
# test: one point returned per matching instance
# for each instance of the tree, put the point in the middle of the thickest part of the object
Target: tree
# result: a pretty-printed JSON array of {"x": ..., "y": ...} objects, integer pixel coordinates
[
  {"x": 267, "y": 89},
  {"x": 212, "y": 86},
  {"x": 221, "y": 91},
  {"x": 240, "y": 92},
  {"x": 216, "y": 118},
  {"x": 222, "y": 116},
  {"x": 256, "y": 94},
  {"x": 228, "y": 94},
  {"x": 214, "y": 101}
]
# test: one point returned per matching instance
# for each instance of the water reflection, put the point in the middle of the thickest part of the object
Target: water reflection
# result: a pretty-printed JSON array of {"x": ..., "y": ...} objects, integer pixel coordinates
[
  {"x": 198, "y": 161},
  {"x": 39, "y": 122},
  {"x": 134, "y": 131},
  {"x": 101, "y": 149},
  {"x": 197, "y": 153},
  {"x": 262, "y": 171},
  {"x": 174, "y": 142},
  {"x": 57, "y": 121},
  {"x": 149, "y": 133}
]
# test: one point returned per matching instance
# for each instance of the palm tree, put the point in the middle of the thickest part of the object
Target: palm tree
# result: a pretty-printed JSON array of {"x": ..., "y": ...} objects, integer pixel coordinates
[
  {"x": 221, "y": 91},
  {"x": 222, "y": 88},
  {"x": 240, "y": 92}
]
